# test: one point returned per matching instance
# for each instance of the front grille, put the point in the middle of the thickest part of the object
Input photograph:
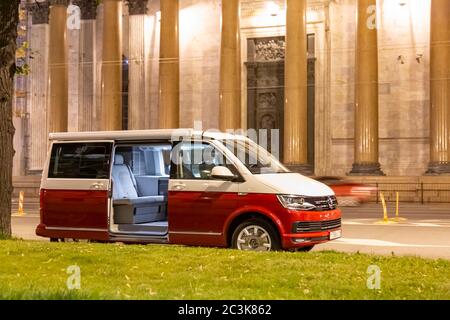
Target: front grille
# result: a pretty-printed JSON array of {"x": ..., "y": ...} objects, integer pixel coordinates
[
  {"x": 316, "y": 226},
  {"x": 324, "y": 203}
]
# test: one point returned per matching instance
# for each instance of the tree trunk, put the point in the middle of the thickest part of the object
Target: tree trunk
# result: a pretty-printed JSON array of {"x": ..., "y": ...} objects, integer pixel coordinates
[{"x": 9, "y": 18}]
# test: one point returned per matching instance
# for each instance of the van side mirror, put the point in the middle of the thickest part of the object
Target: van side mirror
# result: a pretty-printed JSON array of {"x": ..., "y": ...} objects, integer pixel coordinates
[{"x": 222, "y": 173}]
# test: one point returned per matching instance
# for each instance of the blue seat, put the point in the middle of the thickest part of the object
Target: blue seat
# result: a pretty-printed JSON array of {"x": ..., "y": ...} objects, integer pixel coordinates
[{"x": 129, "y": 207}]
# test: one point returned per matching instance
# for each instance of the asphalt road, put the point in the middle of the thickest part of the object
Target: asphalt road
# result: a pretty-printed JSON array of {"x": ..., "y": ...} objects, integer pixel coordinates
[{"x": 424, "y": 233}]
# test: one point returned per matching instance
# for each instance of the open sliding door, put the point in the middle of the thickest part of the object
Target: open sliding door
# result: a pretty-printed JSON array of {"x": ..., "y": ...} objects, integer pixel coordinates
[{"x": 75, "y": 191}]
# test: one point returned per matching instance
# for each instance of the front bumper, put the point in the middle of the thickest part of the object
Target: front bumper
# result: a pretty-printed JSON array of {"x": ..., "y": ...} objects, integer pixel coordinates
[
  {"x": 307, "y": 239},
  {"x": 294, "y": 239}
]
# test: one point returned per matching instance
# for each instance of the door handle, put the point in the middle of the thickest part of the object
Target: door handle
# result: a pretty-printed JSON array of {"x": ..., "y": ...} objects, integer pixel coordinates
[
  {"x": 180, "y": 186},
  {"x": 97, "y": 186}
]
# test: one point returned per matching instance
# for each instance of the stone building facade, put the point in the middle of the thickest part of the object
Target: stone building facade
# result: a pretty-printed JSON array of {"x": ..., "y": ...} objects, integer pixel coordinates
[{"x": 355, "y": 86}]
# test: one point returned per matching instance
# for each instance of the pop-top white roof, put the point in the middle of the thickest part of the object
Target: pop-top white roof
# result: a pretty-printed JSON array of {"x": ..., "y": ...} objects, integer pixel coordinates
[{"x": 160, "y": 134}]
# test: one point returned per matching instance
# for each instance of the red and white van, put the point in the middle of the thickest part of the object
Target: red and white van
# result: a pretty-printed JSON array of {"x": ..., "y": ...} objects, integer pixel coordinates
[{"x": 180, "y": 187}]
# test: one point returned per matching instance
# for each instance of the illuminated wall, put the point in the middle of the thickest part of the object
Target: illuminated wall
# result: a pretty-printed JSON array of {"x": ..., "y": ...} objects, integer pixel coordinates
[
  {"x": 403, "y": 74},
  {"x": 403, "y": 41},
  {"x": 200, "y": 30}
]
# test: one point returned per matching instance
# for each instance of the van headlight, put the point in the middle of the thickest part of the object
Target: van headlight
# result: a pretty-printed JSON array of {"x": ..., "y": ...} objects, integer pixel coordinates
[{"x": 296, "y": 203}]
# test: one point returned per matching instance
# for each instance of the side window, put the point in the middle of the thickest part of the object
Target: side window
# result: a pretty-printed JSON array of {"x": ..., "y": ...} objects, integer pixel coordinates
[
  {"x": 80, "y": 160},
  {"x": 146, "y": 159},
  {"x": 195, "y": 161}
]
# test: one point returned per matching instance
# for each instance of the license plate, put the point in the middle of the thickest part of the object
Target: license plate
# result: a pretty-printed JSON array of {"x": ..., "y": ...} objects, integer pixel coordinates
[{"x": 335, "y": 234}]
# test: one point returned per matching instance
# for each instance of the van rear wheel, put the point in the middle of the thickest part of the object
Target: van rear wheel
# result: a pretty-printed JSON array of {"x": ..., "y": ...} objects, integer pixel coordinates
[{"x": 255, "y": 235}]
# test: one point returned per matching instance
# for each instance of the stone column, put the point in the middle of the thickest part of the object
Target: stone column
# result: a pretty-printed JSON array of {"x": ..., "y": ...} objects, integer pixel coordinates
[
  {"x": 111, "y": 111},
  {"x": 138, "y": 84},
  {"x": 38, "y": 84},
  {"x": 366, "y": 85},
  {"x": 58, "y": 74},
  {"x": 440, "y": 88},
  {"x": 169, "y": 66},
  {"x": 296, "y": 88},
  {"x": 230, "y": 67},
  {"x": 86, "y": 70},
  {"x": 73, "y": 67},
  {"x": 98, "y": 67}
]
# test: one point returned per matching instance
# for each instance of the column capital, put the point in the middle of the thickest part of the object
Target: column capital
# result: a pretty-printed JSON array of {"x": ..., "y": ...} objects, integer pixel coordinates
[
  {"x": 136, "y": 7},
  {"x": 59, "y": 2},
  {"x": 88, "y": 9},
  {"x": 39, "y": 12}
]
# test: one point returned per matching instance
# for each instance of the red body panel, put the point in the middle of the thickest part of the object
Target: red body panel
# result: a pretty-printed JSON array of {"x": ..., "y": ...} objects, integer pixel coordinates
[
  {"x": 195, "y": 218},
  {"x": 204, "y": 213},
  {"x": 268, "y": 205},
  {"x": 79, "y": 214},
  {"x": 207, "y": 222}
]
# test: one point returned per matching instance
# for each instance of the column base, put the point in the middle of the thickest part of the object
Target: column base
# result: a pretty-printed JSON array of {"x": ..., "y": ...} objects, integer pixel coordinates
[
  {"x": 367, "y": 169},
  {"x": 438, "y": 168},
  {"x": 304, "y": 169}
]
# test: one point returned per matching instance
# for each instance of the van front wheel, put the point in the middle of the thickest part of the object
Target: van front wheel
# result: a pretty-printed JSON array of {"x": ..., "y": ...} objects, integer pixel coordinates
[{"x": 255, "y": 235}]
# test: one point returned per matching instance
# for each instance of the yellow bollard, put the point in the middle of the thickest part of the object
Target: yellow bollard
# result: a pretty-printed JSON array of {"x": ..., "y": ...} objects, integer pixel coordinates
[
  {"x": 385, "y": 213},
  {"x": 21, "y": 200},
  {"x": 397, "y": 211},
  {"x": 397, "y": 196}
]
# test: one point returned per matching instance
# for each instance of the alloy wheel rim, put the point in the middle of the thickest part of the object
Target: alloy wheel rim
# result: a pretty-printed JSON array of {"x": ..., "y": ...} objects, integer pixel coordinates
[{"x": 254, "y": 238}]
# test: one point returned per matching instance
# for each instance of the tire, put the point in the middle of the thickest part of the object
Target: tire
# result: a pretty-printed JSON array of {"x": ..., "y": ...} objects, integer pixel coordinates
[
  {"x": 54, "y": 240},
  {"x": 305, "y": 249},
  {"x": 255, "y": 241}
]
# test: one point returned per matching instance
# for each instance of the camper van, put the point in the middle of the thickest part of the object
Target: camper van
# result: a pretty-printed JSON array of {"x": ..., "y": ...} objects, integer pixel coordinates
[{"x": 180, "y": 187}]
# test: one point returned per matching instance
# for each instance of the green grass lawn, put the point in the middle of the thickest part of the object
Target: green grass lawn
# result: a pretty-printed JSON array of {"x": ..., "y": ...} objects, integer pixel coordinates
[{"x": 38, "y": 270}]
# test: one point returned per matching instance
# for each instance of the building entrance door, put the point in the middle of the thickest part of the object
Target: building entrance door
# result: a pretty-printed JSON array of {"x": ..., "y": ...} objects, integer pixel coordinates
[{"x": 265, "y": 89}]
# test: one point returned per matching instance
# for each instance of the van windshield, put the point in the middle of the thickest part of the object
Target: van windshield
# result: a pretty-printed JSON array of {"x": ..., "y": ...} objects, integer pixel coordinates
[{"x": 257, "y": 159}]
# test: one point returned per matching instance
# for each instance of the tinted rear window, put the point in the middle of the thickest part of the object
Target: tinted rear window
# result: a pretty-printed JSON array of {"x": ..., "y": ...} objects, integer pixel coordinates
[{"x": 80, "y": 161}]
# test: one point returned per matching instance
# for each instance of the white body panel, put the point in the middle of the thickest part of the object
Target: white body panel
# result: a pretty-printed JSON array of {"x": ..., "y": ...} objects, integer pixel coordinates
[
  {"x": 284, "y": 183},
  {"x": 294, "y": 184},
  {"x": 287, "y": 184},
  {"x": 278, "y": 183}
]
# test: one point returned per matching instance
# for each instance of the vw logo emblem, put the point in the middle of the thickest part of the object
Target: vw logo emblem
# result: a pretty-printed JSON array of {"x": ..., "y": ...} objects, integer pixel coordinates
[{"x": 330, "y": 203}]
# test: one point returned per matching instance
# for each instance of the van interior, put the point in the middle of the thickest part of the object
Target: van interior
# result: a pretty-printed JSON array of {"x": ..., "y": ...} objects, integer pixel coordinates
[{"x": 140, "y": 180}]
